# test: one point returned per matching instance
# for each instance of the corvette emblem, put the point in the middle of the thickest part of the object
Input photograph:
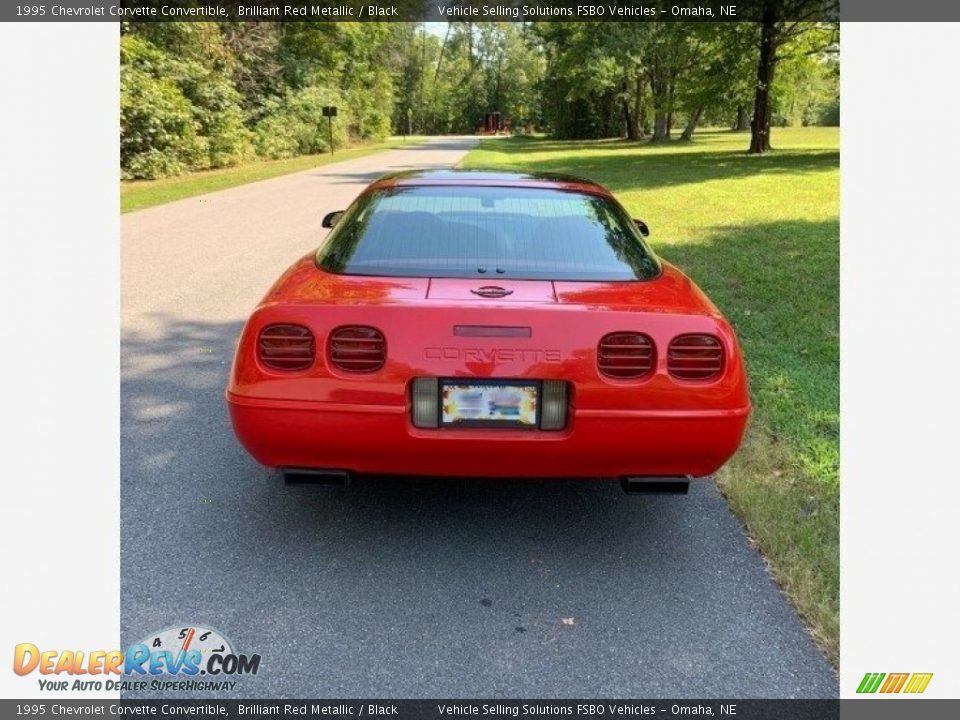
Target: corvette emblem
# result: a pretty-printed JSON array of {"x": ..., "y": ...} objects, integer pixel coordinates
[
  {"x": 493, "y": 355},
  {"x": 491, "y": 291}
]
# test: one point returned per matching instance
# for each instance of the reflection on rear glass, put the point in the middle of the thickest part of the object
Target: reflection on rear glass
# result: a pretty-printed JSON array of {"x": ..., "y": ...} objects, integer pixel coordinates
[{"x": 473, "y": 232}]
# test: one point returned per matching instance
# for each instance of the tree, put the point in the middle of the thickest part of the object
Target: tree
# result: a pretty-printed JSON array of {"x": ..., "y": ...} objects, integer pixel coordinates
[
  {"x": 670, "y": 51},
  {"x": 594, "y": 81},
  {"x": 783, "y": 22},
  {"x": 720, "y": 74},
  {"x": 197, "y": 95}
]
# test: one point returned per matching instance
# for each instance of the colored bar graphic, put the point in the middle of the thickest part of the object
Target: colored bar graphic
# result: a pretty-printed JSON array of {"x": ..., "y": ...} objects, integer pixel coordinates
[
  {"x": 918, "y": 682},
  {"x": 894, "y": 682},
  {"x": 870, "y": 682}
]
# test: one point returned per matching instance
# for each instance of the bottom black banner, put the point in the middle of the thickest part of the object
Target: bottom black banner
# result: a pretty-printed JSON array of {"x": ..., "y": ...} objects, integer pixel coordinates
[
  {"x": 426, "y": 709},
  {"x": 874, "y": 709}
]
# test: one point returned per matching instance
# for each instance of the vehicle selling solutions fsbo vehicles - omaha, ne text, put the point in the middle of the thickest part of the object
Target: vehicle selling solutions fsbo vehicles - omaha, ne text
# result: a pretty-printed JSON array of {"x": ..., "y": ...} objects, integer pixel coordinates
[{"x": 488, "y": 324}]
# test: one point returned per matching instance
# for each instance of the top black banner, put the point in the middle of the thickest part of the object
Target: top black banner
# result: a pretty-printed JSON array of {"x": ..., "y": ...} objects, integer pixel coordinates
[{"x": 477, "y": 10}]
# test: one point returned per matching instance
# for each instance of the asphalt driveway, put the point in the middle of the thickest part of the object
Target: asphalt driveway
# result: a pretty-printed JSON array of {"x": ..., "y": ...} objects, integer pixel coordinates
[{"x": 425, "y": 588}]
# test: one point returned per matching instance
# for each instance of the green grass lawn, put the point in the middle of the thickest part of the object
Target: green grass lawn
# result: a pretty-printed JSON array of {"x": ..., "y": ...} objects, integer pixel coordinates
[
  {"x": 761, "y": 235},
  {"x": 140, "y": 194}
]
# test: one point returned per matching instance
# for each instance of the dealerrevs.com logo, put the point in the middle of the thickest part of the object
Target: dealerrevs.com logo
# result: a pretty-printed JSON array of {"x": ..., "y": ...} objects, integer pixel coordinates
[
  {"x": 887, "y": 684},
  {"x": 185, "y": 653}
]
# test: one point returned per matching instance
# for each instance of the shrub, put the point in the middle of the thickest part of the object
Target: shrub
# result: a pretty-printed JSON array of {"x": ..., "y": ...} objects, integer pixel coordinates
[
  {"x": 295, "y": 125},
  {"x": 830, "y": 114},
  {"x": 157, "y": 132},
  {"x": 175, "y": 115},
  {"x": 275, "y": 135},
  {"x": 216, "y": 111},
  {"x": 370, "y": 107}
]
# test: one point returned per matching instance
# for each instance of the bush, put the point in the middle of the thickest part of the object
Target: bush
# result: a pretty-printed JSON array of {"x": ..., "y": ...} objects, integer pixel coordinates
[
  {"x": 157, "y": 132},
  {"x": 216, "y": 110},
  {"x": 830, "y": 114},
  {"x": 370, "y": 107},
  {"x": 275, "y": 135},
  {"x": 175, "y": 115},
  {"x": 295, "y": 125},
  {"x": 182, "y": 108}
]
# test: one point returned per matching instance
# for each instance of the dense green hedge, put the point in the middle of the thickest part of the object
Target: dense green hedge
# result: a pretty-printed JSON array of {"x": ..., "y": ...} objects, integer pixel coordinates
[
  {"x": 176, "y": 115},
  {"x": 181, "y": 109}
]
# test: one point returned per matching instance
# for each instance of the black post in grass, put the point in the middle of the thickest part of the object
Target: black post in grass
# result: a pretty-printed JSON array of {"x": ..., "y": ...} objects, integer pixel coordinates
[{"x": 330, "y": 112}]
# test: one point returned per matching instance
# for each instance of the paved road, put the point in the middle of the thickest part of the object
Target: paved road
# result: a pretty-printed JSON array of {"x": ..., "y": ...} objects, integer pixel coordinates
[{"x": 420, "y": 589}]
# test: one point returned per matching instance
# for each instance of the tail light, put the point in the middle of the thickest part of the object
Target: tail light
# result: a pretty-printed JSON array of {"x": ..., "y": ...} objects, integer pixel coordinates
[
  {"x": 426, "y": 402},
  {"x": 625, "y": 355},
  {"x": 553, "y": 405},
  {"x": 695, "y": 357},
  {"x": 357, "y": 348},
  {"x": 286, "y": 347}
]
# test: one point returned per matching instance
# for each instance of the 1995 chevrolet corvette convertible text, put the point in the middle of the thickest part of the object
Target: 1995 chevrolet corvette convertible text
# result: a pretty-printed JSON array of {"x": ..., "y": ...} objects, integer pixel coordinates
[{"x": 463, "y": 323}]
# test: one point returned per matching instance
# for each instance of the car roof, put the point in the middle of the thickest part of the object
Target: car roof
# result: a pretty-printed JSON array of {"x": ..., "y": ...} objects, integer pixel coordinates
[{"x": 489, "y": 178}]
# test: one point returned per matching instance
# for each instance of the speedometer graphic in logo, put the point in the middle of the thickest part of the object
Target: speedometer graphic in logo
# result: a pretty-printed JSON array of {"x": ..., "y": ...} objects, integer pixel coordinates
[{"x": 184, "y": 639}]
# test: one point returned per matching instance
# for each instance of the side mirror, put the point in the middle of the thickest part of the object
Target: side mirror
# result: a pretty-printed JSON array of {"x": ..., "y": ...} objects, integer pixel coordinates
[
  {"x": 642, "y": 227},
  {"x": 331, "y": 218}
]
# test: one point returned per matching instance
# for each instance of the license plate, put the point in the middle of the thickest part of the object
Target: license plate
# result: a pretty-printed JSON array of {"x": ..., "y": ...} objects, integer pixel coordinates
[{"x": 489, "y": 403}]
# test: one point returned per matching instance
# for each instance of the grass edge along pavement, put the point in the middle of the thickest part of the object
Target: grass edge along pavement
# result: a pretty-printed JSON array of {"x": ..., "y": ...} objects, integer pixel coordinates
[
  {"x": 142, "y": 194},
  {"x": 760, "y": 234}
]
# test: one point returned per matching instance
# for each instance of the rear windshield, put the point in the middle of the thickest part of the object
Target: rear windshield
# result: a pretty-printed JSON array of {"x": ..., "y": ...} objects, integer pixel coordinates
[{"x": 488, "y": 232}]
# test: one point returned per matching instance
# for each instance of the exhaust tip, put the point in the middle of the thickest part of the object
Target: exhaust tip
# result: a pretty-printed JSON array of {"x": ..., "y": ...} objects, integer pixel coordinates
[
  {"x": 655, "y": 485},
  {"x": 311, "y": 476}
]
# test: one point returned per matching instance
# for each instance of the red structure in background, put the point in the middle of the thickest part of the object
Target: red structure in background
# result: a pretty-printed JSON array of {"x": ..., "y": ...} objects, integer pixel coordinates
[{"x": 494, "y": 124}]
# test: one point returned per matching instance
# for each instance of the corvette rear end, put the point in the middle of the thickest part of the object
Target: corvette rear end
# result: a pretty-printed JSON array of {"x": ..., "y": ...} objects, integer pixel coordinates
[{"x": 512, "y": 358}]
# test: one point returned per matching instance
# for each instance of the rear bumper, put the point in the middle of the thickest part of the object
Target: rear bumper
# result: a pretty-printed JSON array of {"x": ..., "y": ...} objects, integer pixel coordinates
[{"x": 380, "y": 439}]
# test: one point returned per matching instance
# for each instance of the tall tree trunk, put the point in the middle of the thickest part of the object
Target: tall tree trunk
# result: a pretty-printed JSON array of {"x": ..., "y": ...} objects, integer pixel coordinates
[
  {"x": 446, "y": 38},
  {"x": 629, "y": 121},
  {"x": 692, "y": 124},
  {"x": 743, "y": 120},
  {"x": 760, "y": 127},
  {"x": 639, "y": 111},
  {"x": 659, "y": 90},
  {"x": 660, "y": 133},
  {"x": 423, "y": 71},
  {"x": 670, "y": 110}
]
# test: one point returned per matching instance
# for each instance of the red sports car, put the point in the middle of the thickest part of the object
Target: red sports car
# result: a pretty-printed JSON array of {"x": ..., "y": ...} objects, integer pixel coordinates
[{"x": 488, "y": 324}]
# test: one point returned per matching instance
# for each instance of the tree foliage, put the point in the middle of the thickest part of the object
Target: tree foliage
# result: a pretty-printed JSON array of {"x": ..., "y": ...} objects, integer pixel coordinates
[
  {"x": 648, "y": 79},
  {"x": 198, "y": 95}
]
